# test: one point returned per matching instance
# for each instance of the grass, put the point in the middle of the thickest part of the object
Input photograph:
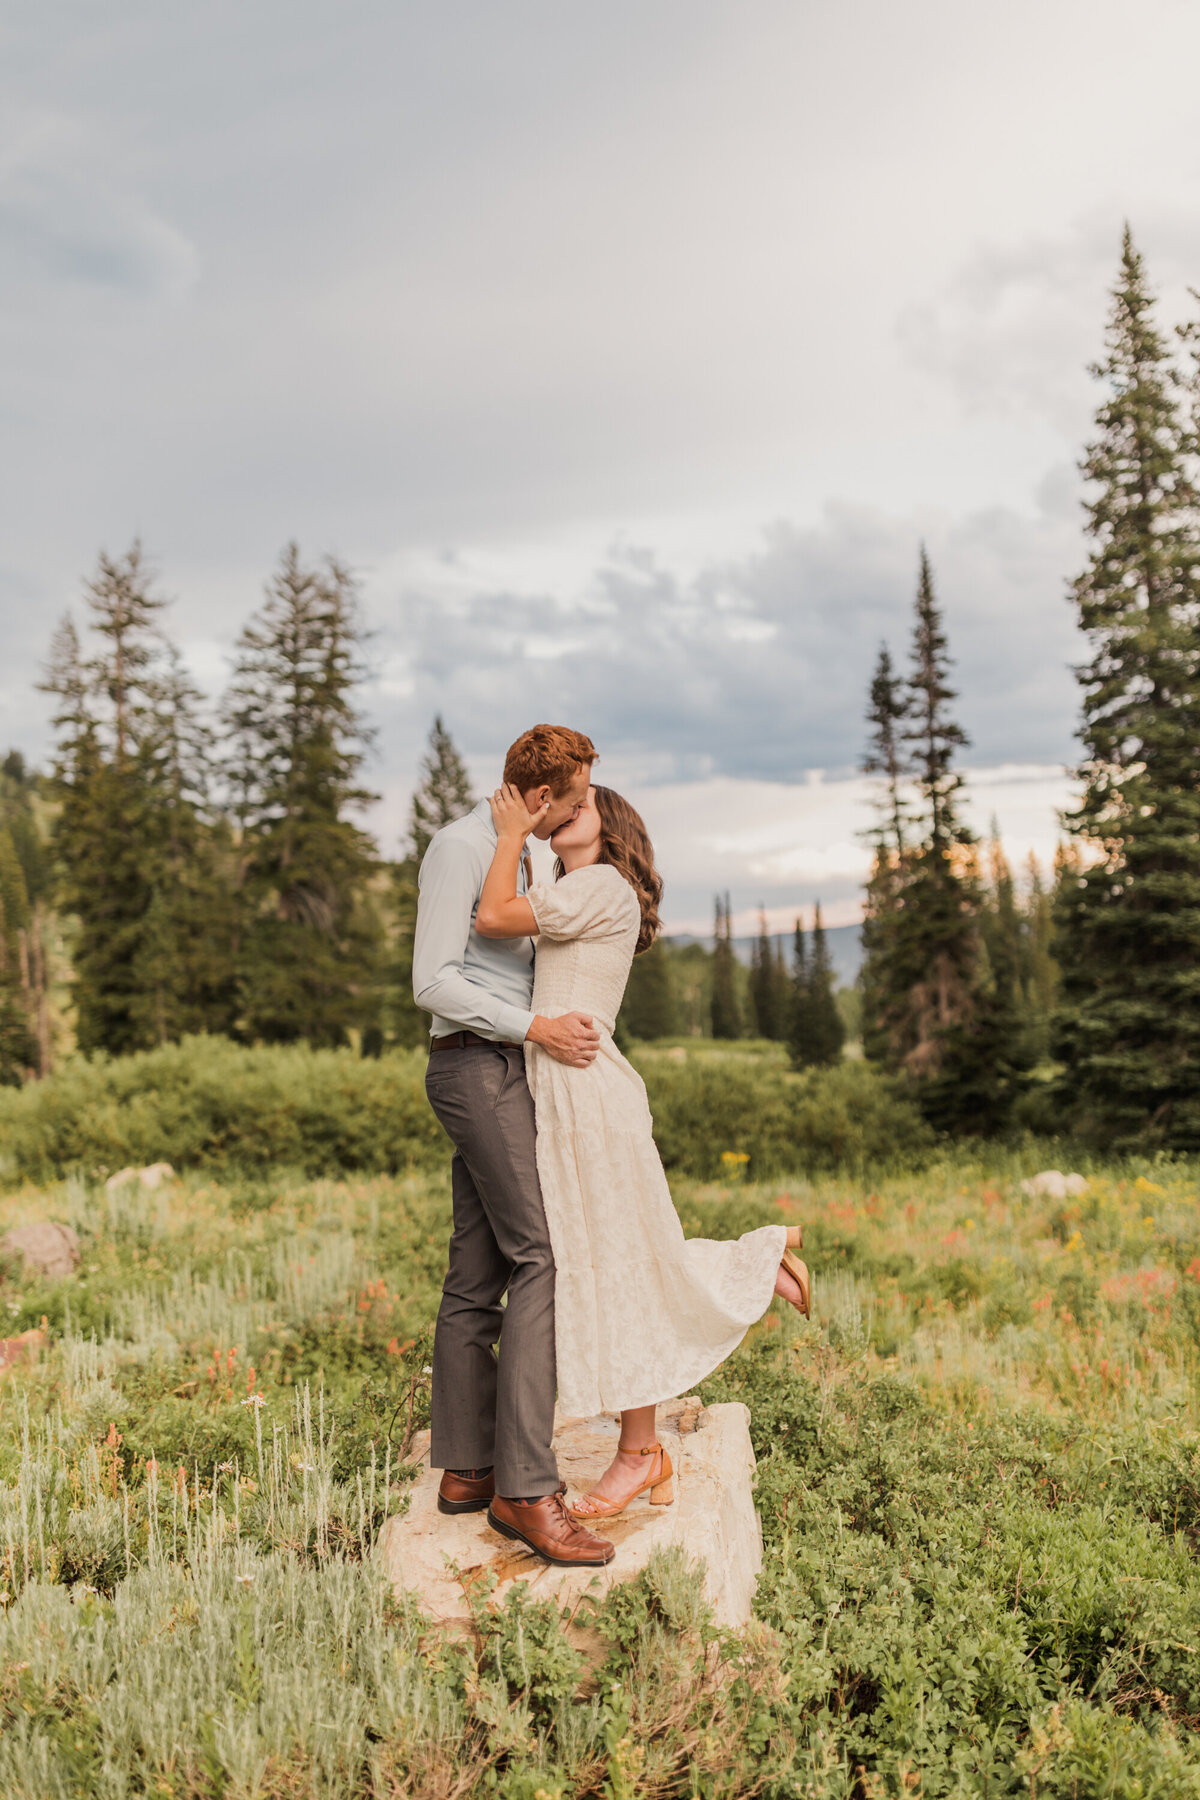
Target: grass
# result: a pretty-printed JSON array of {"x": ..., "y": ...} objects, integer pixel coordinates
[{"x": 979, "y": 1479}]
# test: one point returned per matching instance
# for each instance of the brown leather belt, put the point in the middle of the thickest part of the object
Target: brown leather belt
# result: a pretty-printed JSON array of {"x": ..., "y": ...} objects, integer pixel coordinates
[{"x": 458, "y": 1040}]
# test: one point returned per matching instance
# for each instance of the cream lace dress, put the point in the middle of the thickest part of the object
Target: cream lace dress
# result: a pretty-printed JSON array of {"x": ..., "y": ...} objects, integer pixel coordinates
[{"x": 641, "y": 1313}]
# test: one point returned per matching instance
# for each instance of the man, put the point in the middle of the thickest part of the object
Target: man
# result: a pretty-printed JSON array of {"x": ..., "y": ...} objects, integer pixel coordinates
[{"x": 493, "y": 1416}]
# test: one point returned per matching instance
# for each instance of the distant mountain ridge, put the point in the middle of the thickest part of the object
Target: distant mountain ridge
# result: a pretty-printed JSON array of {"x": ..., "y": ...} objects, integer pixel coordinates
[{"x": 845, "y": 948}]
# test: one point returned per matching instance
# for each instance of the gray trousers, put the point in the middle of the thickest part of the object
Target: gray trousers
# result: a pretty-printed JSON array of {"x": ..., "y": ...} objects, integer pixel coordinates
[{"x": 488, "y": 1407}]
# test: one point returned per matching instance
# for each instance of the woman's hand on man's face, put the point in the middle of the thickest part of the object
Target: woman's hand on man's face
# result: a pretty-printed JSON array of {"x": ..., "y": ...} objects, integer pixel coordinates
[{"x": 511, "y": 816}]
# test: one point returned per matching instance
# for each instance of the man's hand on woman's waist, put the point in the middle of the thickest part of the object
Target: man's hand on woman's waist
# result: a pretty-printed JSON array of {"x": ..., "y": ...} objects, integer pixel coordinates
[{"x": 573, "y": 1039}]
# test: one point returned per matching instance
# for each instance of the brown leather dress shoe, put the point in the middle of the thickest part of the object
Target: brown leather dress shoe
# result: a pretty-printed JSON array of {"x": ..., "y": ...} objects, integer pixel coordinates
[
  {"x": 464, "y": 1493},
  {"x": 546, "y": 1527}
]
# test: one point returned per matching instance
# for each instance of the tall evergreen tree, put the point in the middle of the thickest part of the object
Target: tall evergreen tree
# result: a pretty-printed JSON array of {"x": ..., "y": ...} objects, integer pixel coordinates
[
  {"x": 920, "y": 933},
  {"x": 887, "y": 714},
  {"x": 309, "y": 944},
  {"x": 769, "y": 996},
  {"x": 1128, "y": 939},
  {"x": 818, "y": 1031},
  {"x": 800, "y": 1032},
  {"x": 887, "y": 757},
  {"x": 1005, "y": 935},
  {"x": 118, "y": 710},
  {"x": 443, "y": 793},
  {"x": 828, "y": 1029},
  {"x": 726, "y": 1017},
  {"x": 929, "y": 1002}
]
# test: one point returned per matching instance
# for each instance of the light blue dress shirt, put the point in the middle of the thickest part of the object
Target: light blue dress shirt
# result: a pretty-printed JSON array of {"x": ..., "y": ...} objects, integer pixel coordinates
[{"x": 468, "y": 983}]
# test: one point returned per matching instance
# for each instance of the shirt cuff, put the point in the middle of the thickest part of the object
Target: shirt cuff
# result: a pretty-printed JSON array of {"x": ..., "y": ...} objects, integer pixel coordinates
[{"x": 512, "y": 1024}]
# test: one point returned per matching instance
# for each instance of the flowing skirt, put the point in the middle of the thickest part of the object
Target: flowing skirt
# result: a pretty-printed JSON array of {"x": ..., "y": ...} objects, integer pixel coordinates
[{"x": 641, "y": 1312}]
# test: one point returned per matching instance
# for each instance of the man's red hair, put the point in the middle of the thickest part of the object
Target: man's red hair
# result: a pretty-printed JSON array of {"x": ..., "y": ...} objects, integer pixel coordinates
[{"x": 548, "y": 755}]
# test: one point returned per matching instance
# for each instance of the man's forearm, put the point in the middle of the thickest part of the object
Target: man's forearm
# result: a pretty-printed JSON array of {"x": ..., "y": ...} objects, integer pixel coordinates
[{"x": 453, "y": 996}]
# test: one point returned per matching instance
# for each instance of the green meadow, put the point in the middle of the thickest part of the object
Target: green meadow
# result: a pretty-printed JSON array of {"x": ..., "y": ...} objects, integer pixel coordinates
[{"x": 978, "y": 1476}]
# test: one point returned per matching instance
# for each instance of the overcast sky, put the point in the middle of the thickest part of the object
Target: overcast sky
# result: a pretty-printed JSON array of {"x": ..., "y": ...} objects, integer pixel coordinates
[{"x": 626, "y": 351}]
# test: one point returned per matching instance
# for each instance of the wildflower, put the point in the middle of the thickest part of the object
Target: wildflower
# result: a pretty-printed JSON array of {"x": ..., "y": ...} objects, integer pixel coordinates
[
  {"x": 254, "y": 1400},
  {"x": 151, "y": 1468},
  {"x": 225, "y": 1468},
  {"x": 427, "y": 1369},
  {"x": 245, "y": 1580}
]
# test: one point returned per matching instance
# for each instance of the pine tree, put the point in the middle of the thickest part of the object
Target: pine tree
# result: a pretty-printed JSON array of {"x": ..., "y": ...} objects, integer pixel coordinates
[
  {"x": 1038, "y": 974},
  {"x": 818, "y": 1032},
  {"x": 310, "y": 940},
  {"x": 800, "y": 1027},
  {"x": 138, "y": 841},
  {"x": 443, "y": 793},
  {"x": 1004, "y": 932},
  {"x": 769, "y": 997},
  {"x": 828, "y": 1033},
  {"x": 114, "y": 810},
  {"x": 920, "y": 935},
  {"x": 929, "y": 1003},
  {"x": 726, "y": 1020},
  {"x": 887, "y": 756},
  {"x": 1128, "y": 921},
  {"x": 887, "y": 712},
  {"x": 932, "y": 734}
]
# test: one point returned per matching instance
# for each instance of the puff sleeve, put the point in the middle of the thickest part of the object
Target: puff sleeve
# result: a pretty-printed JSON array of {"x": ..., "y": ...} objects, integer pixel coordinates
[{"x": 594, "y": 902}]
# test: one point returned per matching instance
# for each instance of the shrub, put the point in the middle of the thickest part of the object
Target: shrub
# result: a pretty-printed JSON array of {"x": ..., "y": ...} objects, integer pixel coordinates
[
  {"x": 208, "y": 1103},
  {"x": 824, "y": 1119}
]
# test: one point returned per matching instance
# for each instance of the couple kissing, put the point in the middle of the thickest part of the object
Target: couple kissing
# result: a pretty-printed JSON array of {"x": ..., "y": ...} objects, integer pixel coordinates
[{"x": 560, "y": 1202}]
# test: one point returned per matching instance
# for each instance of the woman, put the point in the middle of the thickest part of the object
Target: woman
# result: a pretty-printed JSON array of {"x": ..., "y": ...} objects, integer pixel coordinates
[{"x": 641, "y": 1313}]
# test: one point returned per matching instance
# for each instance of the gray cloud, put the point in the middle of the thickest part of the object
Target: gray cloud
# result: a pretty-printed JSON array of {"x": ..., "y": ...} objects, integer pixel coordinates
[
  {"x": 1012, "y": 329},
  {"x": 756, "y": 666}
]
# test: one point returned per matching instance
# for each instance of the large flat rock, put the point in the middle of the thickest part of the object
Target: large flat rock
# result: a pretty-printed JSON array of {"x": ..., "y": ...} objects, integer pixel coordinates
[{"x": 712, "y": 1519}]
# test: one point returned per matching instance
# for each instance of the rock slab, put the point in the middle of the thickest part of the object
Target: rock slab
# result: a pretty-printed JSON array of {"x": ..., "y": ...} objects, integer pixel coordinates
[
  {"x": 45, "y": 1247},
  {"x": 712, "y": 1520}
]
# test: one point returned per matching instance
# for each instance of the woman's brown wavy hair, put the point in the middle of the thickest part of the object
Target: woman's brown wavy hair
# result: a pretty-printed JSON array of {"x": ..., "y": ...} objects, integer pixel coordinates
[{"x": 625, "y": 844}]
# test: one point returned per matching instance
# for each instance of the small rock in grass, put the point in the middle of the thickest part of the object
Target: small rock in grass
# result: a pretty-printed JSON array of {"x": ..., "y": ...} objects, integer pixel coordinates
[
  {"x": 151, "y": 1177},
  {"x": 1052, "y": 1184},
  {"x": 46, "y": 1247}
]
